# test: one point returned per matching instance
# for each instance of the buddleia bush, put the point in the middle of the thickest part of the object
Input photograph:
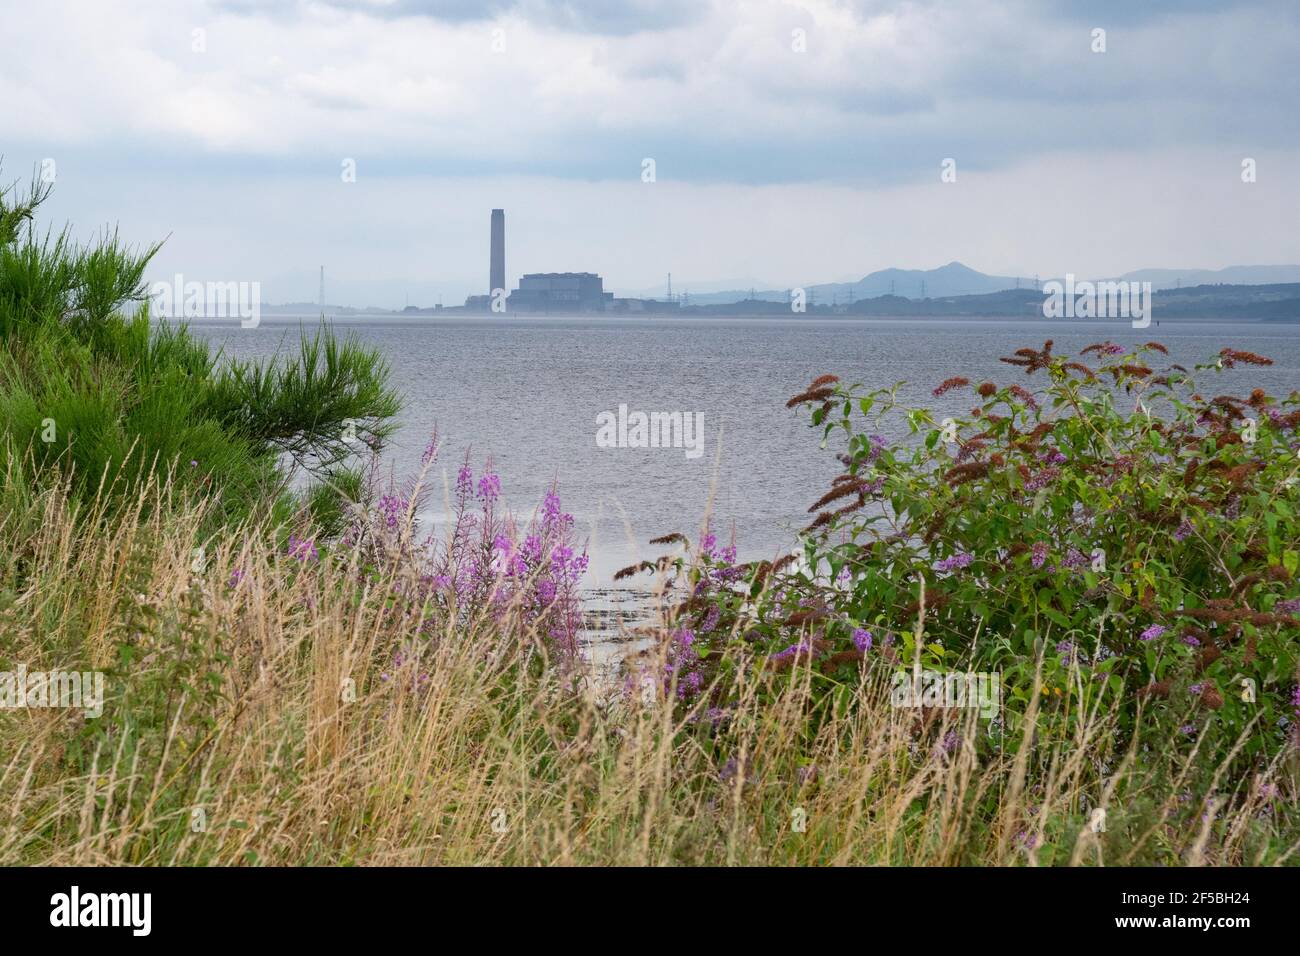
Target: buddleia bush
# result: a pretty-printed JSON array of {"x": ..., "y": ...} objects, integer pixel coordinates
[{"x": 1109, "y": 536}]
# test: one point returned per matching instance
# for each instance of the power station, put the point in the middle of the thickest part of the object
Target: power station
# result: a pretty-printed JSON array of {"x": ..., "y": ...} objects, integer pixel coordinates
[{"x": 538, "y": 291}]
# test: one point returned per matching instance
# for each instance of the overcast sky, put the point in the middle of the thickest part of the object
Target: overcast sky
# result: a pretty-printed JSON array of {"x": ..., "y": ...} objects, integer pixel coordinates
[{"x": 793, "y": 143}]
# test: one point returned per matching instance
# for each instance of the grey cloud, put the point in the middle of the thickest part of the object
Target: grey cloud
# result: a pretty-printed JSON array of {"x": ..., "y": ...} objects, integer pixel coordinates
[{"x": 584, "y": 16}]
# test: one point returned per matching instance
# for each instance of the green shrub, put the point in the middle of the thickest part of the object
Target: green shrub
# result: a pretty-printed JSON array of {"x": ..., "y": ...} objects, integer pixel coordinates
[
  {"x": 111, "y": 398},
  {"x": 1113, "y": 541}
]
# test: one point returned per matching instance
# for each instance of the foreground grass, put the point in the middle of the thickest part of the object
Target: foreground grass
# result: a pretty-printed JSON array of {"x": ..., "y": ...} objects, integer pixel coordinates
[{"x": 263, "y": 709}]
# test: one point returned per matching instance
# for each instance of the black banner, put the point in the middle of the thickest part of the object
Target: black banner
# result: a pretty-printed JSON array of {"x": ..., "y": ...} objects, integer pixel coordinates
[{"x": 335, "y": 906}]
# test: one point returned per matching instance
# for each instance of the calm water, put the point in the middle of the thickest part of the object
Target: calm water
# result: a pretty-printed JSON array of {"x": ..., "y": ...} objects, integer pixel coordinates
[{"x": 526, "y": 393}]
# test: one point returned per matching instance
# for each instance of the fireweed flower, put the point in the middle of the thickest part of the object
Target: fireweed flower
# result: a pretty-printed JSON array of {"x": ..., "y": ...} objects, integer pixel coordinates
[
  {"x": 553, "y": 520},
  {"x": 303, "y": 549},
  {"x": 464, "y": 481},
  {"x": 489, "y": 487},
  {"x": 708, "y": 545},
  {"x": 1152, "y": 632},
  {"x": 391, "y": 509},
  {"x": 560, "y": 558},
  {"x": 430, "y": 451}
]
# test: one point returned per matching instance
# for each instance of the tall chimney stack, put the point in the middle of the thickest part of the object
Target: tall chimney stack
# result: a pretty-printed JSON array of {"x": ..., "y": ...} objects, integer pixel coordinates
[{"x": 498, "y": 277}]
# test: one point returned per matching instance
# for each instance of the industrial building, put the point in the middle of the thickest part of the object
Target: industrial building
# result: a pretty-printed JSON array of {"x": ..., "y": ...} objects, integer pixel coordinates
[
  {"x": 538, "y": 291},
  {"x": 560, "y": 292}
]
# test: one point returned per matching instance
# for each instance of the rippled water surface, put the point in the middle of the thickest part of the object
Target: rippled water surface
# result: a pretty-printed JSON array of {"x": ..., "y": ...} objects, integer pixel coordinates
[{"x": 526, "y": 393}]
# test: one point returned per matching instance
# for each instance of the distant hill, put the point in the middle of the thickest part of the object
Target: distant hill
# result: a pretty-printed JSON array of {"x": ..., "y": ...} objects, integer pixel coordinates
[
  {"x": 1234, "y": 275},
  {"x": 956, "y": 279},
  {"x": 949, "y": 280},
  {"x": 1278, "y": 302}
]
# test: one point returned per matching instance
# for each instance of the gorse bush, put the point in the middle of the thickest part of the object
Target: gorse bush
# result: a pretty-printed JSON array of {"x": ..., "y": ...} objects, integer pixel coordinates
[
  {"x": 1112, "y": 541},
  {"x": 109, "y": 398}
]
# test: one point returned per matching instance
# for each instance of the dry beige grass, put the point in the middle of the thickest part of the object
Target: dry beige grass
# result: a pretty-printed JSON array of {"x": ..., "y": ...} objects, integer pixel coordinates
[{"x": 267, "y": 723}]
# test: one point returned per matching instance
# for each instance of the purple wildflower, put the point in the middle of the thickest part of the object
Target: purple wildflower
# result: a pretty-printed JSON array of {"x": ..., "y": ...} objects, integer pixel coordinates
[
  {"x": 304, "y": 549},
  {"x": 959, "y": 560},
  {"x": 792, "y": 651},
  {"x": 489, "y": 487},
  {"x": 391, "y": 509},
  {"x": 1152, "y": 632},
  {"x": 1039, "y": 557},
  {"x": 1043, "y": 478},
  {"x": 862, "y": 639},
  {"x": 430, "y": 450},
  {"x": 708, "y": 545}
]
